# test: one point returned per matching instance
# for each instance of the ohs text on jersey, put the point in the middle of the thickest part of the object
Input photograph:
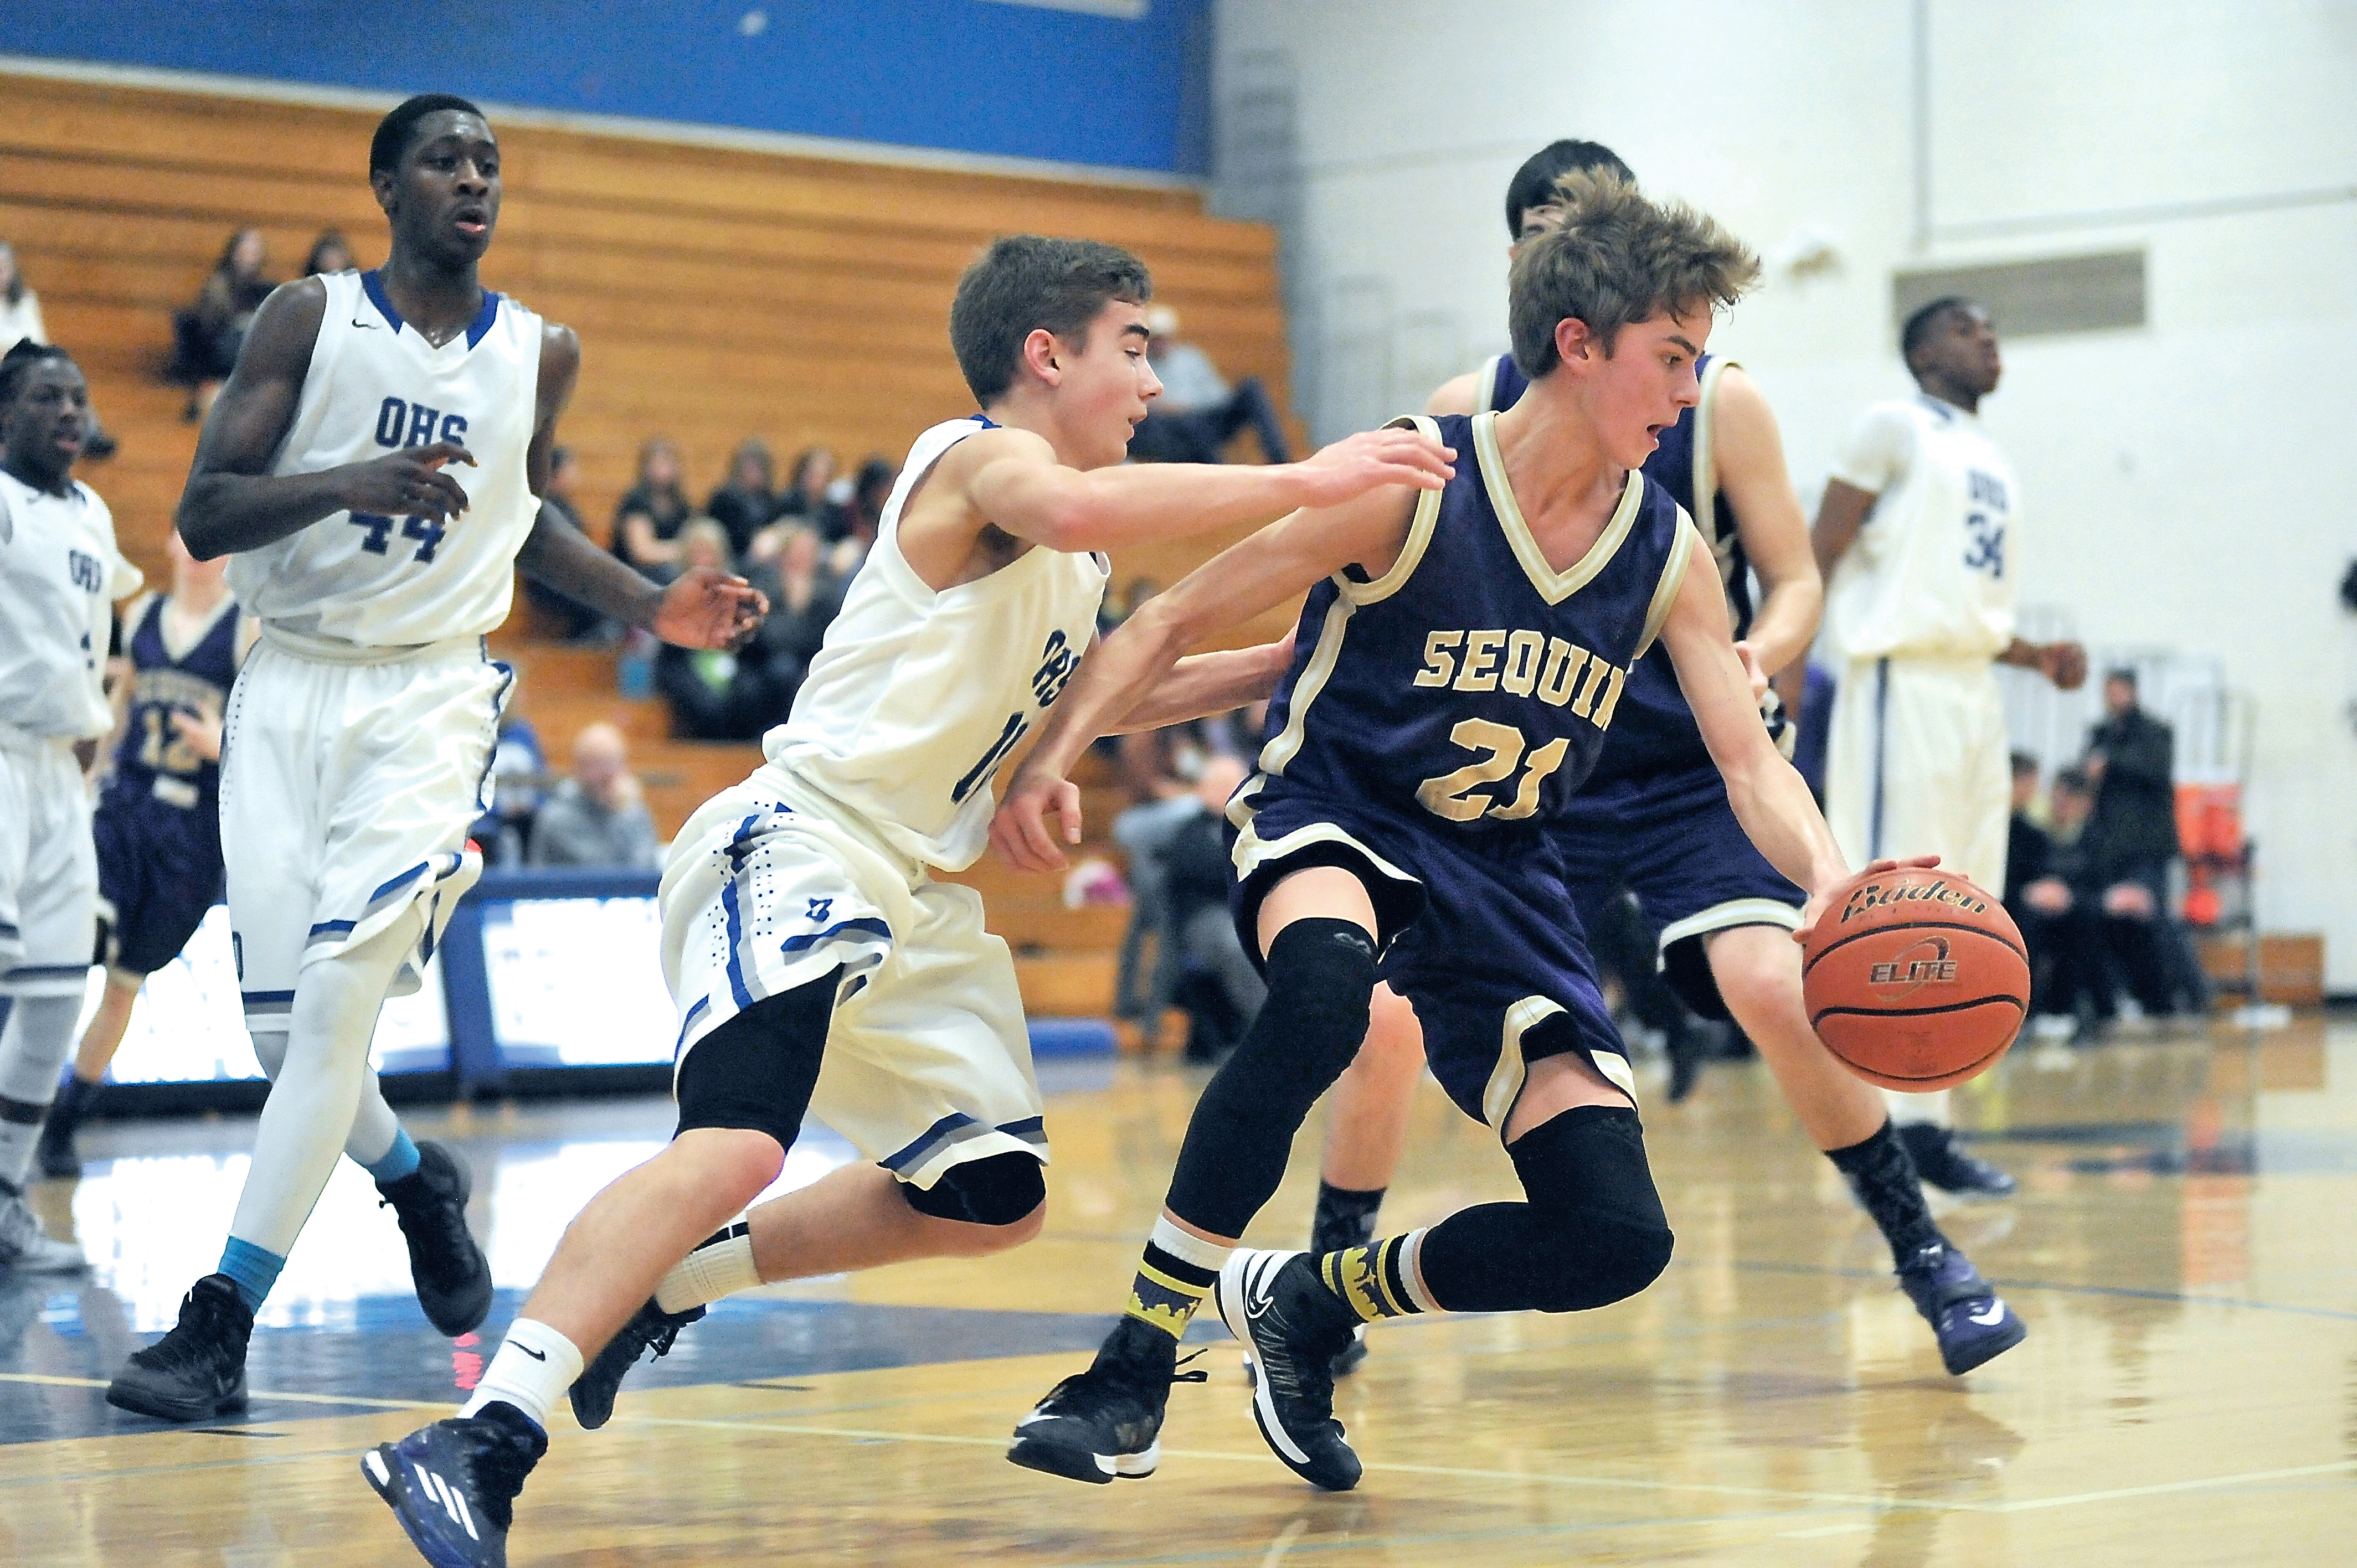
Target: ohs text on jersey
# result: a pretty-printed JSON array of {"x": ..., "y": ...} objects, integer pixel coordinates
[{"x": 399, "y": 423}]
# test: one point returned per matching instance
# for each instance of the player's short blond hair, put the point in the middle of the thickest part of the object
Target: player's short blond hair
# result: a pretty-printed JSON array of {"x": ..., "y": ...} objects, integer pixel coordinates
[{"x": 1619, "y": 258}]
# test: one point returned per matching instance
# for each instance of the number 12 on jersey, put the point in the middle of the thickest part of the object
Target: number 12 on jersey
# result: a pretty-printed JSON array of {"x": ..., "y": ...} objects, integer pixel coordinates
[{"x": 1451, "y": 795}]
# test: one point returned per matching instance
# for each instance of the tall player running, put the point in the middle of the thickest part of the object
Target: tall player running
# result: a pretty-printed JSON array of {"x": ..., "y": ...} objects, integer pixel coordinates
[
  {"x": 1913, "y": 533},
  {"x": 1654, "y": 817},
  {"x": 59, "y": 570},
  {"x": 1459, "y": 662},
  {"x": 158, "y": 822},
  {"x": 374, "y": 466},
  {"x": 817, "y": 965}
]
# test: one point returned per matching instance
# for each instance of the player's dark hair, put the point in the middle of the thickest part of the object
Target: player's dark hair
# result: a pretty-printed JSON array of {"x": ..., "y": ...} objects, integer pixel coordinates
[
  {"x": 1922, "y": 318},
  {"x": 2023, "y": 762},
  {"x": 1618, "y": 259},
  {"x": 18, "y": 362},
  {"x": 2121, "y": 672},
  {"x": 394, "y": 132},
  {"x": 2075, "y": 780},
  {"x": 1533, "y": 183},
  {"x": 1025, "y": 283}
]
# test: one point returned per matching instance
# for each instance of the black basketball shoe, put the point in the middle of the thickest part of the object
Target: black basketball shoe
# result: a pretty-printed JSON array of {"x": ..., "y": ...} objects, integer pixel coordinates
[
  {"x": 1275, "y": 1304},
  {"x": 1105, "y": 1423},
  {"x": 1971, "y": 1321},
  {"x": 1941, "y": 1160},
  {"x": 198, "y": 1371},
  {"x": 452, "y": 1276},
  {"x": 453, "y": 1484},
  {"x": 649, "y": 1328}
]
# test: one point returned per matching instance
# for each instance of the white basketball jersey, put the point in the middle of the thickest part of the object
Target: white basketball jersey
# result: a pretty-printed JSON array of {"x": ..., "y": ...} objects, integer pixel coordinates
[
  {"x": 375, "y": 386},
  {"x": 59, "y": 569},
  {"x": 1928, "y": 577},
  {"x": 916, "y": 697}
]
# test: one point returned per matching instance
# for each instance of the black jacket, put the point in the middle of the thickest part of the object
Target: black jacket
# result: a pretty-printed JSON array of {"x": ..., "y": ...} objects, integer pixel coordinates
[{"x": 2135, "y": 823}]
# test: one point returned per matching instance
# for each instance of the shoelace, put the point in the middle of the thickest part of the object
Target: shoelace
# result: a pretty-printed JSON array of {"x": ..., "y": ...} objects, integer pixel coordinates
[
  {"x": 439, "y": 1227},
  {"x": 189, "y": 1342}
]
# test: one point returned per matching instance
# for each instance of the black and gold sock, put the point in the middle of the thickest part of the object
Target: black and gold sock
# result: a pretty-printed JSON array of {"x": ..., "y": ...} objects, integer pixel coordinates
[
  {"x": 1884, "y": 1178},
  {"x": 1176, "y": 1273},
  {"x": 1344, "y": 1218},
  {"x": 1378, "y": 1280}
]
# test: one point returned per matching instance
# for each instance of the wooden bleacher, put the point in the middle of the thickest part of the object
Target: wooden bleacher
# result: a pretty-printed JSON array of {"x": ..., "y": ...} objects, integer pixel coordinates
[{"x": 718, "y": 294}]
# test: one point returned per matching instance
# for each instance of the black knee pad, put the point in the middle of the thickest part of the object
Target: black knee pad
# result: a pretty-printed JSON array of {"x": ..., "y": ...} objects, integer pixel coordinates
[
  {"x": 1321, "y": 979},
  {"x": 1001, "y": 1190},
  {"x": 756, "y": 1071},
  {"x": 1605, "y": 1235}
]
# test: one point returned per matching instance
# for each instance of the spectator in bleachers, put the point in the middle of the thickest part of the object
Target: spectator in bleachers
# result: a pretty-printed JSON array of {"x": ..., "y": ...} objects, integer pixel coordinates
[
  {"x": 20, "y": 322},
  {"x": 2131, "y": 759},
  {"x": 1217, "y": 985},
  {"x": 804, "y": 598},
  {"x": 859, "y": 517},
  {"x": 714, "y": 694},
  {"x": 20, "y": 307},
  {"x": 576, "y": 622},
  {"x": 208, "y": 336},
  {"x": 746, "y": 501},
  {"x": 598, "y": 817},
  {"x": 1198, "y": 414},
  {"x": 517, "y": 785},
  {"x": 2037, "y": 898},
  {"x": 329, "y": 254},
  {"x": 648, "y": 519},
  {"x": 805, "y": 497}
]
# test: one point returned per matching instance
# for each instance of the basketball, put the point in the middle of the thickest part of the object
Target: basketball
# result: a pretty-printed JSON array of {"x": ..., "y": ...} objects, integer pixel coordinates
[{"x": 1916, "y": 979}]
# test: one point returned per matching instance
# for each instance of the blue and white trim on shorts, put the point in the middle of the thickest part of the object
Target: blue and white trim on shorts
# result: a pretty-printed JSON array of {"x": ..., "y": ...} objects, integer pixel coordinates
[{"x": 957, "y": 1138}]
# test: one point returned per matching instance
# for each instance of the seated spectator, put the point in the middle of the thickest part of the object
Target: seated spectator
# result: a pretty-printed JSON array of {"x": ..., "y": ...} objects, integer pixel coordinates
[
  {"x": 714, "y": 695},
  {"x": 208, "y": 336},
  {"x": 859, "y": 519},
  {"x": 804, "y": 598},
  {"x": 805, "y": 497},
  {"x": 744, "y": 501},
  {"x": 576, "y": 622},
  {"x": 20, "y": 322},
  {"x": 517, "y": 784},
  {"x": 2131, "y": 758},
  {"x": 329, "y": 254},
  {"x": 598, "y": 817},
  {"x": 648, "y": 519},
  {"x": 20, "y": 307},
  {"x": 2038, "y": 900},
  {"x": 1218, "y": 986},
  {"x": 1197, "y": 414}
]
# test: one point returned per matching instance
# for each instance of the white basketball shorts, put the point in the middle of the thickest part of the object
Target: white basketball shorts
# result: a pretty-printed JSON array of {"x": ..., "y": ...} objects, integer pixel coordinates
[
  {"x": 346, "y": 793},
  {"x": 48, "y": 870},
  {"x": 1916, "y": 764},
  {"x": 769, "y": 887}
]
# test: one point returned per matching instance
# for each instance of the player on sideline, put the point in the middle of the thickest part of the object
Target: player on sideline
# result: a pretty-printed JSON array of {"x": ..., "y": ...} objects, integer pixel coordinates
[
  {"x": 817, "y": 965},
  {"x": 58, "y": 572},
  {"x": 1654, "y": 817},
  {"x": 158, "y": 823},
  {"x": 374, "y": 466},
  {"x": 1912, "y": 535},
  {"x": 1457, "y": 666}
]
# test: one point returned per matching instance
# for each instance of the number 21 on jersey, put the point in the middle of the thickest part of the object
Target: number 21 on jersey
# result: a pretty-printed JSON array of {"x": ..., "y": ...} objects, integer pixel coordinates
[{"x": 1501, "y": 748}]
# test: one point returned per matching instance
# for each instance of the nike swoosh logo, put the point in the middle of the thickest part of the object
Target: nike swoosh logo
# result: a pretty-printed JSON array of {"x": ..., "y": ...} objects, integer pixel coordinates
[
  {"x": 1991, "y": 1317},
  {"x": 535, "y": 1355},
  {"x": 364, "y": 326}
]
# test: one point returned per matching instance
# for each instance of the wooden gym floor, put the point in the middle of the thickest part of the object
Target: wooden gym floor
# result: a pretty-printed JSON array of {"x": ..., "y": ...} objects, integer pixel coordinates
[{"x": 2181, "y": 1249}]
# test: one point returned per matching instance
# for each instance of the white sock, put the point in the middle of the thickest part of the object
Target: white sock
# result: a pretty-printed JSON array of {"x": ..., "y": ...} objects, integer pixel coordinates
[
  {"x": 1919, "y": 1108},
  {"x": 534, "y": 1367},
  {"x": 36, "y": 1035},
  {"x": 722, "y": 1265}
]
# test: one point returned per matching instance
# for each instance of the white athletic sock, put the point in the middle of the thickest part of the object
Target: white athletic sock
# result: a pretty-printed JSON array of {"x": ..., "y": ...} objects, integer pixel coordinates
[
  {"x": 534, "y": 1367},
  {"x": 722, "y": 1265},
  {"x": 35, "y": 1038},
  {"x": 1913, "y": 1110}
]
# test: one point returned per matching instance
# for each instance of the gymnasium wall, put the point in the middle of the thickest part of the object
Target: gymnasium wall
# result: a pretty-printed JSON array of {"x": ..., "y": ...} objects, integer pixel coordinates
[
  {"x": 1114, "y": 84},
  {"x": 2185, "y": 483}
]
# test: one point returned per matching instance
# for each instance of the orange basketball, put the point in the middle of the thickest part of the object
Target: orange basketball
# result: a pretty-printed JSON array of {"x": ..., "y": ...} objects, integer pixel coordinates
[{"x": 1917, "y": 980}]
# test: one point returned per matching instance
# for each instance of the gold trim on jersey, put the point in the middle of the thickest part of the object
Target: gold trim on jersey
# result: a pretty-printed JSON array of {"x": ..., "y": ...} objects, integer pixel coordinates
[
  {"x": 1314, "y": 676},
  {"x": 1554, "y": 586},
  {"x": 1485, "y": 394},
  {"x": 1507, "y": 1079},
  {"x": 1252, "y": 851},
  {"x": 1420, "y": 525},
  {"x": 1673, "y": 574}
]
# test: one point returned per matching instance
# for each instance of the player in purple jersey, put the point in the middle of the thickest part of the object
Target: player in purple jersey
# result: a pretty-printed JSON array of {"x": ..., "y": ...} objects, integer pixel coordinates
[
  {"x": 1654, "y": 818},
  {"x": 1458, "y": 666}
]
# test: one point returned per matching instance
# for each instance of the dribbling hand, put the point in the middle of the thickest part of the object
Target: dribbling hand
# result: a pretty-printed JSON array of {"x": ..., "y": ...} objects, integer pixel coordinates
[
  {"x": 409, "y": 483},
  {"x": 1814, "y": 909},
  {"x": 1020, "y": 831},
  {"x": 1357, "y": 464}
]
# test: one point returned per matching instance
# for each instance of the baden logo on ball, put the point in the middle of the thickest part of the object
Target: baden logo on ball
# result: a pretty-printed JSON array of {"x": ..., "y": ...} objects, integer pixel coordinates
[{"x": 1921, "y": 981}]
